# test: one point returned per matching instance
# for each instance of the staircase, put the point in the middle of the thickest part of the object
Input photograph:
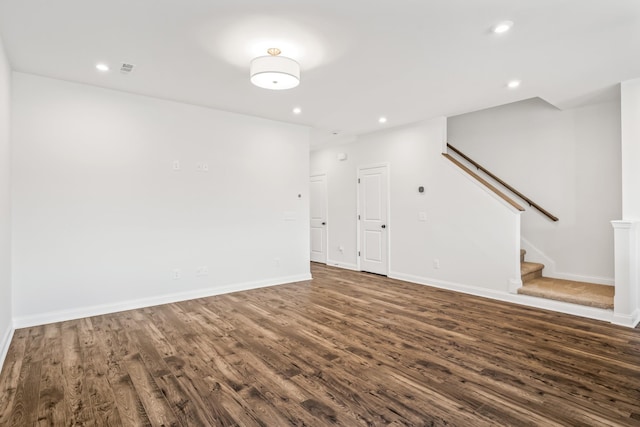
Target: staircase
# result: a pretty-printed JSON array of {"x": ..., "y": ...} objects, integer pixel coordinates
[
  {"x": 589, "y": 294},
  {"x": 533, "y": 283}
]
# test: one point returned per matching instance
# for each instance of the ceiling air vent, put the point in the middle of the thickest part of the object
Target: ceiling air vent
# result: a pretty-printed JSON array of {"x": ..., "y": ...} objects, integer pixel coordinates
[{"x": 126, "y": 68}]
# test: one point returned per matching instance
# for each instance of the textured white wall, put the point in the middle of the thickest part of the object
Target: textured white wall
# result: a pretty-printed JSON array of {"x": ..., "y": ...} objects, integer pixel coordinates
[
  {"x": 472, "y": 234},
  {"x": 566, "y": 161},
  {"x": 101, "y": 219},
  {"x": 5, "y": 204}
]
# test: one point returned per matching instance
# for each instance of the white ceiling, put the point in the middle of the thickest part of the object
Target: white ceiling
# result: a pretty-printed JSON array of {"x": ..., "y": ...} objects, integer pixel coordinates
[{"x": 407, "y": 60}]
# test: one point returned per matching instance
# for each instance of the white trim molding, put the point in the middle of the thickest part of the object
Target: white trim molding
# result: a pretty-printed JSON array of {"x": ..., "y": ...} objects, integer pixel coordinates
[
  {"x": 60, "y": 316},
  {"x": 5, "y": 342},
  {"x": 345, "y": 265},
  {"x": 514, "y": 285},
  {"x": 529, "y": 301},
  {"x": 626, "y": 301},
  {"x": 628, "y": 320}
]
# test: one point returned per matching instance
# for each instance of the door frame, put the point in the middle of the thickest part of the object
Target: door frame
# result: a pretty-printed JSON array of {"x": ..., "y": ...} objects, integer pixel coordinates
[
  {"x": 326, "y": 214},
  {"x": 358, "y": 221}
]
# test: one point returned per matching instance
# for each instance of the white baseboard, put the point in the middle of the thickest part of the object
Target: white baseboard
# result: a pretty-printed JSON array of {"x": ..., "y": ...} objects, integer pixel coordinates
[
  {"x": 345, "y": 265},
  {"x": 609, "y": 281},
  {"x": 514, "y": 285},
  {"x": 536, "y": 255},
  {"x": 546, "y": 304},
  {"x": 5, "y": 342},
  {"x": 630, "y": 321},
  {"x": 443, "y": 284},
  {"x": 96, "y": 310}
]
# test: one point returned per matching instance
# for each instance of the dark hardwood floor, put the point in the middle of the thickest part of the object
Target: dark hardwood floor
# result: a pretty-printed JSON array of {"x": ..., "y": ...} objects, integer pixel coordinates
[{"x": 344, "y": 349}]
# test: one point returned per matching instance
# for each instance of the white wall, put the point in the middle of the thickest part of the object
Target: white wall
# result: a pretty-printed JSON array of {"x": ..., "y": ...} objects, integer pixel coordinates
[
  {"x": 101, "y": 219},
  {"x": 471, "y": 233},
  {"x": 566, "y": 161},
  {"x": 5, "y": 206}
]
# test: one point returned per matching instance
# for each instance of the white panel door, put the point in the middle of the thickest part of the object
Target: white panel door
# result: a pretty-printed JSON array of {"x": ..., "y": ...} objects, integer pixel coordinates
[
  {"x": 318, "y": 216},
  {"x": 372, "y": 203}
]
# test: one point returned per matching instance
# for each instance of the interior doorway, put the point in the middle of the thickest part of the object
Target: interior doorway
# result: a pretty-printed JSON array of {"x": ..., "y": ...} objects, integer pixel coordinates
[
  {"x": 373, "y": 227},
  {"x": 318, "y": 214}
]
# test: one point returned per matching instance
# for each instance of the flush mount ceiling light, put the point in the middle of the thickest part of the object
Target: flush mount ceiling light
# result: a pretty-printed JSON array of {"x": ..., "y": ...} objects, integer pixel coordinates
[{"x": 275, "y": 72}]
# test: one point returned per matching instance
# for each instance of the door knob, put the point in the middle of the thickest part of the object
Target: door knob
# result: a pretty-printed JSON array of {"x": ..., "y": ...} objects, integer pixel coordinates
[
  {"x": 383, "y": 226},
  {"x": 324, "y": 223}
]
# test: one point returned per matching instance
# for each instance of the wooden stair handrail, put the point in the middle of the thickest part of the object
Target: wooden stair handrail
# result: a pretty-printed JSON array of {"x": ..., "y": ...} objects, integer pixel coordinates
[
  {"x": 484, "y": 182},
  {"x": 504, "y": 184}
]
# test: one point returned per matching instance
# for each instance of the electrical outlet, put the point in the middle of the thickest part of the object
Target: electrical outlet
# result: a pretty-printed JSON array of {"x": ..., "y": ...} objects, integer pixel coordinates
[
  {"x": 202, "y": 271},
  {"x": 176, "y": 165},
  {"x": 202, "y": 167},
  {"x": 436, "y": 264},
  {"x": 422, "y": 216},
  {"x": 341, "y": 249},
  {"x": 177, "y": 274}
]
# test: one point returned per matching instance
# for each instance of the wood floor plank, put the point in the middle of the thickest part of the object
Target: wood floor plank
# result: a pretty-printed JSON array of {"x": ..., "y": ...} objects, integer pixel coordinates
[
  {"x": 204, "y": 391},
  {"x": 28, "y": 388},
  {"x": 199, "y": 377},
  {"x": 153, "y": 399},
  {"x": 10, "y": 375},
  {"x": 100, "y": 392},
  {"x": 26, "y": 401},
  {"x": 345, "y": 349},
  {"x": 52, "y": 410},
  {"x": 76, "y": 396},
  {"x": 130, "y": 408}
]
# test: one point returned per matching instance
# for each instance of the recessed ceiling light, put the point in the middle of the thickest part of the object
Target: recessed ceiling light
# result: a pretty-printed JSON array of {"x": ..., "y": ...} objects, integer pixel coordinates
[
  {"x": 502, "y": 27},
  {"x": 102, "y": 67},
  {"x": 297, "y": 110},
  {"x": 513, "y": 84},
  {"x": 382, "y": 120}
]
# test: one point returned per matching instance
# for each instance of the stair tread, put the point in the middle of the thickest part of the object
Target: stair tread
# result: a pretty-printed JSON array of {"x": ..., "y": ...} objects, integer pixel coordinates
[
  {"x": 530, "y": 267},
  {"x": 589, "y": 294}
]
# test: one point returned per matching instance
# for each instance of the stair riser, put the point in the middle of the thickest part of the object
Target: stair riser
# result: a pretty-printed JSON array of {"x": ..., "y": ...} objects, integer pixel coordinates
[
  {"x": 598, "y": 302},
  {"x": 531, "y": 276},
  {"x": 587, "y": 294}
]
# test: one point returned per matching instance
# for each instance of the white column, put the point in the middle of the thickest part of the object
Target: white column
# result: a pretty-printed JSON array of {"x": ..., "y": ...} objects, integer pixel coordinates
[
  {"x": 630, "y": 126},
  {"x": 626, "y": 302}
]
